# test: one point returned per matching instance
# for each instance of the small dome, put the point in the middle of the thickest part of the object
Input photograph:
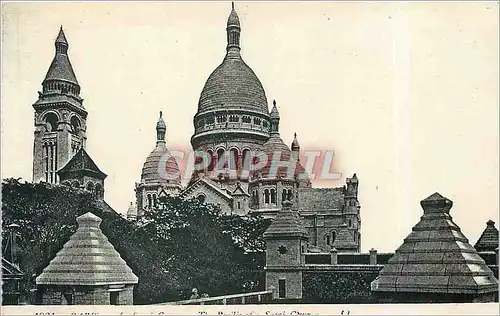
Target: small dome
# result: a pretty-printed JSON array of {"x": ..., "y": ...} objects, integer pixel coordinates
[
  {"x": 276, "y": 145},
  {"x": 157, "y": 169}
]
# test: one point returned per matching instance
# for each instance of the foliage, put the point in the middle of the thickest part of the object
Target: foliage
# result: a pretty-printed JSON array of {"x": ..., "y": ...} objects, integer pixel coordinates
[
  {"x": 335, "y": 287},
  {"x": 213, "y": 252},
  {"x": 180, "y": 245}
]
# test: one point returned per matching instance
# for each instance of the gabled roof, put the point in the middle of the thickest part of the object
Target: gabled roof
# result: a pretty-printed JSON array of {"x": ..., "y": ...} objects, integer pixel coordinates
[
  {"x": 81, "y": 162},
  {"x": 238, "y": 190},
  {"x": 204, "y": 181},
  {"x": 489, "y": 238},
  {"x": 344, "y": 240},
  {"x": 436, "y": 258},
  {"x": 88, "y": 258}
]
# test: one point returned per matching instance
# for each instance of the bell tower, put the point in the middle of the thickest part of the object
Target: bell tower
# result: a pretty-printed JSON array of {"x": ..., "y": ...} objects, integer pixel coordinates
[{"x": 60, "y": 118}]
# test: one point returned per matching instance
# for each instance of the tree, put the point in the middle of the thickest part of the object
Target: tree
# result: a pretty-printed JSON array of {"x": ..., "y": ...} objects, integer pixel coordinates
[
  {"x": 214, "y": 252},
  {"x": 180, "y": 245},
  {"x": 46, "y": 215}
]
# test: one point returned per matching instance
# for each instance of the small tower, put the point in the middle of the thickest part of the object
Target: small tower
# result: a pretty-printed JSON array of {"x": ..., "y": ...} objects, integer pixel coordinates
[
  {"x": 352, "y": 210},
  {"x": 132, "y": 212},
  {"x": 60, "y": 118},
  {"x": 160, "y": 173},
  {"x": 295, "y": 148},
  {"x": 286, "y": 240},
  {"x": 275, "y": 119},
  {"x": 87, "y": 270}
]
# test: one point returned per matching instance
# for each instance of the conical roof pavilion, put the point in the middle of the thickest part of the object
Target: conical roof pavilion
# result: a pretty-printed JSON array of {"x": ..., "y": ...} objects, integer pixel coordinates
[
  {"x": 287, "y": 223},
  {"x": 436, "y": 258},
  {"x": 489, "y": 238},
  {"x": 88, "y": 258}
]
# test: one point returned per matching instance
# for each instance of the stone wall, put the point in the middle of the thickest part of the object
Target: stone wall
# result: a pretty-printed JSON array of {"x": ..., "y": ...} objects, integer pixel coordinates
[{"x": 292, "y": 279}]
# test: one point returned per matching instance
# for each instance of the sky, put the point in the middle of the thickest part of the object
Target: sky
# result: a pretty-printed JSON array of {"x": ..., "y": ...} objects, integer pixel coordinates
[{"x": 405, "y": 93}]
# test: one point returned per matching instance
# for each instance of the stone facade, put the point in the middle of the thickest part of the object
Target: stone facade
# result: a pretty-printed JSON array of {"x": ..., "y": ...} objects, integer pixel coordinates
[
  {"x": 60, "y": 118},
  {"x": 233, "y": 126}
]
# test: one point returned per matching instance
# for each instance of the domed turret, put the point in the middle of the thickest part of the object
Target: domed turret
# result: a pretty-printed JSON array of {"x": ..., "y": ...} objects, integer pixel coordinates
[
  {"x": 160, "y": 167},
  {"x": 278, "y": 153}
]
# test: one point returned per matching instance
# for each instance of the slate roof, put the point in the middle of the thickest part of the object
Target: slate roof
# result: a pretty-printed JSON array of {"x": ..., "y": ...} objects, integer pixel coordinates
[
  {"x": 489, "y": 238},
  {"x": 321, "y": 198},
  {"x": 81, "y": 162},
  {"x": 344, "y": 239},
  {"x": 436, "y": 258},
  {"x": 60, "y": 68},
  {"x": 88, "y": 258},
  {"x": 287, "y": 223}
]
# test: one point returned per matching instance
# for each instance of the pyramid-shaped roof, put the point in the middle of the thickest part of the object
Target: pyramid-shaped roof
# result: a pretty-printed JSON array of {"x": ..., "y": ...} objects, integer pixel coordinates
[
  {"x": 436, "y": 258},
  {"x": 489, "y": 238},
  {"x": 287, "y": 223},
  {"x": 344, "y": 239},
  {"x": 88, "y": 258},
  {"x": 81, "y": 161}
]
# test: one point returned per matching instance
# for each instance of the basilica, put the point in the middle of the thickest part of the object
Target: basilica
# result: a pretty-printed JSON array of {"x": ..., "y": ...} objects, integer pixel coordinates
[{"x": 233, "y": 121}]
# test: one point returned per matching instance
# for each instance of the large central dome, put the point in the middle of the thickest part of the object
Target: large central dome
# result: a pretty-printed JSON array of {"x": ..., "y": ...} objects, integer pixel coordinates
[
  {"x": 232, "y": 110},
  {"x": 233, "y": 84}
]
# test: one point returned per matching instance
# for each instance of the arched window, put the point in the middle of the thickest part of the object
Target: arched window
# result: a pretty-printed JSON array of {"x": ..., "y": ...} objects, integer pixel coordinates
[
  {"x": 239, "y": 205},
  {"x": 210, "y": 155},
  {"x": 221, "y": 157},
  {"x": 201, "y": 198},
  {"x": 245, "y": 156},
  {"x": 273, "y": 196},
  {"x": 154, "y": 200},
  {"x": 51, "y": 122},
  {"x": 90, "y": 187},
  {"x": 290, "y": 195},
  {"x": 149, "y": 201},
  {"x": 75, "y": 125},
  {"x": 283, "y": 195},
  {"x": 266, "y": 196},
  {"x": 350, "y": 223},
  {"x": 327, "y": 237},
  {"x": 99, "y": 191},
  {"x": 334, "y": 236},
  {"x": 233, "y": 163}
]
